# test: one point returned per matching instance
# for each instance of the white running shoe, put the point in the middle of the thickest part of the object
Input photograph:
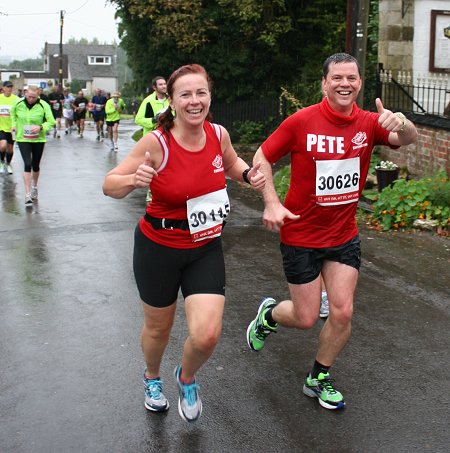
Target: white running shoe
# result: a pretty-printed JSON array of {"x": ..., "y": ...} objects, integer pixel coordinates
[
  {"x": 324, "y": 306},
  {"x": 34, "y": 193},
  {"x": 28, "y": 200}
]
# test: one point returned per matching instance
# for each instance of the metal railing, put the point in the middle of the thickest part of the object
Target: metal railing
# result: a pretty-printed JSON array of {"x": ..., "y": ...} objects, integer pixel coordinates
[{"x": 429, "y": 95}]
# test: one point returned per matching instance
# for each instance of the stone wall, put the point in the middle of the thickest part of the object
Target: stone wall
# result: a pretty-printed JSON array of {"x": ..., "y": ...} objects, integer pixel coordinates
[{"x": 396, "y": 34}]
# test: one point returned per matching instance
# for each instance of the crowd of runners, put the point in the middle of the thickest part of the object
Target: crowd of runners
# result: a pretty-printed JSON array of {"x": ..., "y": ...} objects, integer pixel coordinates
[{"x": 30, "y": 116}]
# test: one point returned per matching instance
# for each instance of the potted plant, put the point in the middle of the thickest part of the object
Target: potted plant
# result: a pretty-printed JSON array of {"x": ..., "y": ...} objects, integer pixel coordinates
[{"x": 387, "y": 173}]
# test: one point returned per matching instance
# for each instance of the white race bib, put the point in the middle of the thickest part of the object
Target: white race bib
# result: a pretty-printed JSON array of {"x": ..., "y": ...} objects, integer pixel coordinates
[
  {"x": 206, "y": 214},
  {"x": 5, "y": 110},
  {"x": 337, "y": 181},
  {"x": 28, "y": 134},
  {"x": 82, "y": 105},
  {"x": 56, "y": 106}
]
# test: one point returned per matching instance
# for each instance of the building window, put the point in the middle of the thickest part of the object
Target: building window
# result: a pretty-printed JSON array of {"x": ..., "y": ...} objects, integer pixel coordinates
[{"x": 99, "y": 60}]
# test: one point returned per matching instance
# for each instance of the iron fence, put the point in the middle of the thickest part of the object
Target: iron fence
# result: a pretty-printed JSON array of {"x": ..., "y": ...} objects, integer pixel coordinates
[
  {"x": 231, "y": 114},
  {"x": 428, "y": 95},
  {"x": 427, "y": 100}
]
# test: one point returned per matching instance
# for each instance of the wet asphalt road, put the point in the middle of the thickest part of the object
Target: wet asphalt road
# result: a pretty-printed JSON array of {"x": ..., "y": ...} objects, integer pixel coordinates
[{"x": 70, "y": 359}]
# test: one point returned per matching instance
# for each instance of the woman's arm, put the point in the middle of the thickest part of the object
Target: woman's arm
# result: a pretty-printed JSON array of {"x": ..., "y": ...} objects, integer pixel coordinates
[
  {"x": 137, "y": 169},
  {"x": 236, "y": 168}
]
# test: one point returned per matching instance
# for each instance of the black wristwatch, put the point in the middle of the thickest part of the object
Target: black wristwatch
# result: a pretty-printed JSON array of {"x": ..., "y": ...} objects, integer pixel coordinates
[{"x": 244, "y": 175}]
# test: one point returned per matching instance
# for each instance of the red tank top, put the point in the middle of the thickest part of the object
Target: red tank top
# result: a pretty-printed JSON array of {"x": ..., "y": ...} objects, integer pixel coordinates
[{"x": 183, "y": 175}]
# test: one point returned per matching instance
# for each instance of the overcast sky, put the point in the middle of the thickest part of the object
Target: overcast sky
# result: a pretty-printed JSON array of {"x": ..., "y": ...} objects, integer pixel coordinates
[{"x": 26, "y": 25}]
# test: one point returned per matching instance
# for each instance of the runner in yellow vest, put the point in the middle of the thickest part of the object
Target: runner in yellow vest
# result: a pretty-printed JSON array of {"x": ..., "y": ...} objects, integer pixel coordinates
[
  {"x": 150, "y": 109},
  {"x": 113, "y": 108},
  {"x": 7, "y": 100},
  {"x": 152, "y": 106}
]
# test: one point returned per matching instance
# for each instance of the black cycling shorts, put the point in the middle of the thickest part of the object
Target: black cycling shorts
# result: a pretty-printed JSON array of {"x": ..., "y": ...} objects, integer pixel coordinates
[
  {"x": 161, "y": 271},
  {"x": 303, "y": 265},
  {"x": 6, "y": 136}
]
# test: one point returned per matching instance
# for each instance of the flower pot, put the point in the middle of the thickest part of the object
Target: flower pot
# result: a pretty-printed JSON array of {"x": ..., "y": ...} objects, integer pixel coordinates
[{"x": 386, "y": 177}]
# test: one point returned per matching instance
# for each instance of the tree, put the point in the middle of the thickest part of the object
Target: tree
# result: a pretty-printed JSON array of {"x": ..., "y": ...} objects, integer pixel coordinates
[
  {"x": 249, "y": 47},
  {"x": 29, "y": 64}
]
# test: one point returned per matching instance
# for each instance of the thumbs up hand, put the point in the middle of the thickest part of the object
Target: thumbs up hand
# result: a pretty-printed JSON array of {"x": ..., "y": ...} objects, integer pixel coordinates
[
  {"x": 145, "y": 172},
  {"x": 387, "y": 119},
  {"x": 257, "y": 179}
]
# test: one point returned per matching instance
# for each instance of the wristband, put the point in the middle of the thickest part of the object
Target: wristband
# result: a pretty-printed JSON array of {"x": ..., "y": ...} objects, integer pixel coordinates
[{"x": 244, "y": 175}]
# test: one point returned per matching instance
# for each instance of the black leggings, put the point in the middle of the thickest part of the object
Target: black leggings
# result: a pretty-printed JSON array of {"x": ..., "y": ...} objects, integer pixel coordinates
[
  {"x": 31, "y": 155},
  {"x": 161, "y": 271}
]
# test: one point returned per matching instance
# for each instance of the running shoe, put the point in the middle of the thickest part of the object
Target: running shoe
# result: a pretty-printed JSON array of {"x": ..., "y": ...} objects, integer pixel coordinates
[
  {"x": 34, "y": 193},
  {"x": 322, "y": 388},
  {"x": 189, "y": 402},
  {"x": 258, "y": 330},
  {"x": 154, "y": 397},
  {"x": 112, "y": 146},
  {"x": 2, "y": 168},
  {"x": 28, "y": 199},
  {"x": 98, "y": 138},
  {"x": 9, "y": 169},
  {"x": 324, "y": 307}
]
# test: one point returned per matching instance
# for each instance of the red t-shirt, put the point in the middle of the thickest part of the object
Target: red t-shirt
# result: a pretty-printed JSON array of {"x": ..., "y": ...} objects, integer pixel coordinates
[
  {"x": 183, "y": 175},
  {"x": 330, "y": 157}
]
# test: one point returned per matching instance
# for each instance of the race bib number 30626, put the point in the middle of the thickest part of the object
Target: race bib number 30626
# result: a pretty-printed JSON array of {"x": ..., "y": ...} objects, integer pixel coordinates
[
  {"x": 337, "y": 181},
  {"x": 206, "y": 214}
]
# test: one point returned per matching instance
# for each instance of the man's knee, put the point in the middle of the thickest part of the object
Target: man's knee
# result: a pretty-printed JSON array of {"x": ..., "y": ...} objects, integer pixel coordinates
[
  {"x": 305, "y": 319},
  {"x": 342, "y": 313}
]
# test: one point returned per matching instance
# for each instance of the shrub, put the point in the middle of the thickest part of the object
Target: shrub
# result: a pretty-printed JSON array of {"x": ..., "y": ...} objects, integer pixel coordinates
[
  {"x": 249, "y": 132},
  {"x": 399, "y": 206},
  {"x": 281, "y": 181}
]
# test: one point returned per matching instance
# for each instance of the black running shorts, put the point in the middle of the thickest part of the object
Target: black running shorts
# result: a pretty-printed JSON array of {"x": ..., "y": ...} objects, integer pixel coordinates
[{"x": 302, "y": 265}]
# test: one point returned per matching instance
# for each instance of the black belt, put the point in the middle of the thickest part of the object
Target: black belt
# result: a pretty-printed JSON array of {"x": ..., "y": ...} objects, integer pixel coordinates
[{"x": 167, "y": 224}]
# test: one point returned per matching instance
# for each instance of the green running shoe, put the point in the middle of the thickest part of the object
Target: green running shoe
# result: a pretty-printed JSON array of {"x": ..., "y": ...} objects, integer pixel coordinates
[
  {"x": 322, "y": 389},
  {"x": 258, "y": 330}
]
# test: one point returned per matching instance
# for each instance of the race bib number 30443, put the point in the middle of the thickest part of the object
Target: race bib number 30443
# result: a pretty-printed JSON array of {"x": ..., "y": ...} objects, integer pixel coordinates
[
  {"x": 206, "y": 214},
  {"x": 337, "y": 181}
]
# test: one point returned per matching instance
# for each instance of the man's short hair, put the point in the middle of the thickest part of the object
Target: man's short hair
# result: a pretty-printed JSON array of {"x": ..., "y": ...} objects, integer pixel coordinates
[
  {"x": 155, "y": 79},
  {"x": 339, "y": 58}
]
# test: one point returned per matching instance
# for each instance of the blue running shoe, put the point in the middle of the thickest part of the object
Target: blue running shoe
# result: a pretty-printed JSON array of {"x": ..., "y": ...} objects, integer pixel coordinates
[
  {"x": 154, "y": 397},
  {"x": 189, "y": 402}
]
